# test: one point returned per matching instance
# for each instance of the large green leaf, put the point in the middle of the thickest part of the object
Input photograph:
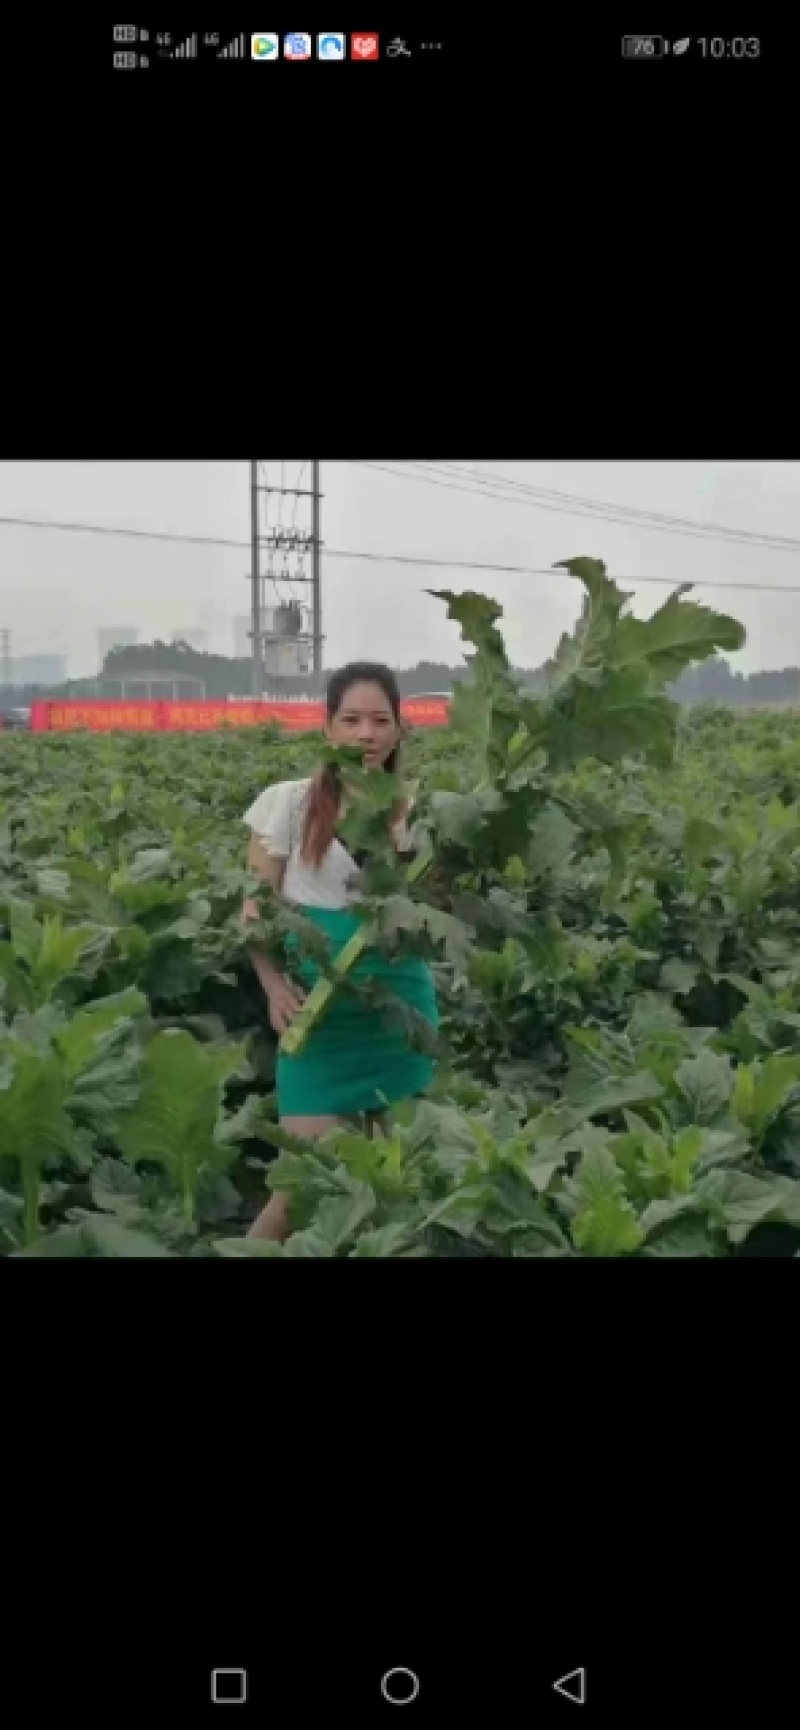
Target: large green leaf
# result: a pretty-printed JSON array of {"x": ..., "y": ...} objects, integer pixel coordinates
[
  {"x": 707, "y": 1084},
  {"x": 34, "y": 1126},
  {"x": 606, "y": 1097},
  {"x": 552, "y": 841},
  {"x": 80, "y": 1041},
  {"x": 660, "y": 1215},
  {"x": 175, "y": 1121},
  {"x": 687, "y": 1237},
  {"x": 53, "y": 884},
  {"x": 67, "y": 1241},
  {"x": 396, "y": 1239},
  {"x": 108, "y": 1086},
  {"x": 585, "y": 652},
  {"x": 114, "y": 1187},
  {"x": 15, "y": 980},
  {"x": 338, "y": 1219},
  {"x": 494, "y": 687},
  {"x": 109, "y": 1237},
  {"x": 51, "y": 950},
  {"x": 677, "y": 634},
  {"x": 617, "y": 717},
  {"x": 148, "y": 864},
  {"x": 679, "y": 976},
  {"x": 606, "y": 678},
  {"x": 25, "y": 931},
  {"x": 401, "y": 918},
  {"x": 700, "y": 838},
  {"x": 459, "y": 817},
  {"x": 740, "y": 1201},
  {"x": 763, "y": 1092},
  {"x": 603, "y": 1222}
]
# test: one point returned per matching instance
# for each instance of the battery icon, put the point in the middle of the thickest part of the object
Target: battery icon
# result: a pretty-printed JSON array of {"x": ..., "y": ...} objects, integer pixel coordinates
[
  {"x": 124, "y": 32},
  {"x": 124, "y": 62},
  {"x": 643, "y": 47}
]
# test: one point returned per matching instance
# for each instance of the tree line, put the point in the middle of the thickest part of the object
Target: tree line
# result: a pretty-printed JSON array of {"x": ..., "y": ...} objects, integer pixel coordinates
[{"x": 223, "y": 676}]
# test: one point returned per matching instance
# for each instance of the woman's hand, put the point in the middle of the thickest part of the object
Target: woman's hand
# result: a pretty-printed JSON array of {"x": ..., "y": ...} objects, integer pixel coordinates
[{"x": 285, "y": 998}]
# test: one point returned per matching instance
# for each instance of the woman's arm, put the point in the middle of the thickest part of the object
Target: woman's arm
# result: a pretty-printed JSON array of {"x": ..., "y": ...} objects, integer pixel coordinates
[
  {"x": 284, "y": 997},
  {"x": 272, "y": 871}
]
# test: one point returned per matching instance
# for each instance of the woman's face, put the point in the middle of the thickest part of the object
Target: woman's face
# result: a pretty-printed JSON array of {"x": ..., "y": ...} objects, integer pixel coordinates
[{"x": 365, "y": 717}]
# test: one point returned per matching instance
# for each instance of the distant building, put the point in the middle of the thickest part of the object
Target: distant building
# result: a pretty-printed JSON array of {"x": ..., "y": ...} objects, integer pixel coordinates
[
  {"x": 157, "y": 686},
  {"x": 115, "y": 637},
  {"x": 197, "y": 640},
  {"x": 37, "y": 669}
]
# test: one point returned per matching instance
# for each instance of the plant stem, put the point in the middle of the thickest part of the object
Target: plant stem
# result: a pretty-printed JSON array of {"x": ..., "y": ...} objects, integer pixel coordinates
[
  {"x": 31, "y": 1192},
  {"x": 319, "y": 998},
  {"x": 188, "y": 1201}
]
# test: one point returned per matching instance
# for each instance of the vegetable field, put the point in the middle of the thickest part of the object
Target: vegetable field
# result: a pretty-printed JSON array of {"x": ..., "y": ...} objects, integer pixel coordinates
[{"x": 612, "y": 913}]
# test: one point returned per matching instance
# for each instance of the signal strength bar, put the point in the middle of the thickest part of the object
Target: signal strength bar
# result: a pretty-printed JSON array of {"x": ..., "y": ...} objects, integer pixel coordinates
[
  {"x": 234, "y": 50},
  {"x": 187, "y": 50}
]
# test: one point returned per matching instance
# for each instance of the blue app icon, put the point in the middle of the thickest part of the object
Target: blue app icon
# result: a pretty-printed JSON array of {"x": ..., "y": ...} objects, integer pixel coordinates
[
  {"x": 331, "y": 45},
  {"x": 297, "y": 46}
]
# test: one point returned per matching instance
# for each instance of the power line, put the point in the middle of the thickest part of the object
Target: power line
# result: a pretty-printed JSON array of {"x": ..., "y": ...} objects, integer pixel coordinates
[
  {"x": 118, "y": 530},
  {"x": 574, "y": 504},
  {"x": 604, "y": 506},
  {"x": 571, "y": 504},
  {"x": 429, "y": 563}
]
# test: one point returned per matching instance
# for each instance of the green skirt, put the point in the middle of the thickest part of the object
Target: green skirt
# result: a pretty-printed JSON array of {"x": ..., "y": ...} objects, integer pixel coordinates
[{"x": 354, "y": 1059}]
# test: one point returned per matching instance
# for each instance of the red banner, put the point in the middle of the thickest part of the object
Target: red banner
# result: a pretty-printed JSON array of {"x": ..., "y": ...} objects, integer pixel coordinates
[
  {"x": 426, "y": 711},
  {"x": 98, "y": 717},
  {"x": 104, "y": 717},
  {"x": 203, "y": 717}
]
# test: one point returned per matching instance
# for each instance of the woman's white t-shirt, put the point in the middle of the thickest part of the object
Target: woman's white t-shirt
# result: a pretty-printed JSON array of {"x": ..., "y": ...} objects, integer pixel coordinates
[{"x": 276, "y": 817}]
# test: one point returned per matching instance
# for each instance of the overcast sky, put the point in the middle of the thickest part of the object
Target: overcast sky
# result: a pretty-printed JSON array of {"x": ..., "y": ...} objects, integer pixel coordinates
[{"x": 57, "y": 589}]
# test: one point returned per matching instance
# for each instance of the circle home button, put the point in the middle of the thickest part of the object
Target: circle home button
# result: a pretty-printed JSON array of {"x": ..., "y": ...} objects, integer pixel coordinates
[{"x": 399, "y": 1686}]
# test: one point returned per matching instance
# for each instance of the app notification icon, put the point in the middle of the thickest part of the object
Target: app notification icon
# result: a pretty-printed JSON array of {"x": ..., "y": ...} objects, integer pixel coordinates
[
  {"x": 331, "y": 45},
  {"x": 297, "y": 47},
  {"x": 364, "y": 47}
]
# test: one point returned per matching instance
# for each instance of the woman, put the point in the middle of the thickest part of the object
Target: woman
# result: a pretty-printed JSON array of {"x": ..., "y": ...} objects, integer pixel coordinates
[{"x": 353, "y": 1062}]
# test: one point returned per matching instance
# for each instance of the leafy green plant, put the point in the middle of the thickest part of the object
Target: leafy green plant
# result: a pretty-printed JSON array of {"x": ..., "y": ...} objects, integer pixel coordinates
[
  {"x": 177, "y": 1121},
  {"x": 605, "y": 700}
]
